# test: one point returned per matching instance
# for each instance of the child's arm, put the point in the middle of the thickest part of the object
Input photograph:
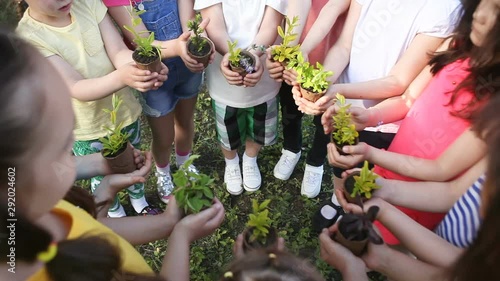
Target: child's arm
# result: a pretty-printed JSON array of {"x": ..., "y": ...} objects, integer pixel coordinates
[
  {"x": 92, "y": 165},
  {"x": 465, "y": 151},
  {"x": 437, "y": 197},
  {"x": 126, "y": 73},
  {"x": 190, "y": 228},
  {"x": 266, "y": 36},
  {"x": 298, "y": 8},
  {"x": 423, "y": 243},
  {"x": 339, "y": 54},
  {"x": 142, "y": 229},
  {"x": 301, "y": 9},
  {"x": 216, "y": 28},
  {"x": 323, "y": 24}
]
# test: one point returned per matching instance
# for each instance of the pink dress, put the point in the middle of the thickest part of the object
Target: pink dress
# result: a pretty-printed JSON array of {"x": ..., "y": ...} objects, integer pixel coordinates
[{"x": 427, "y": 131}]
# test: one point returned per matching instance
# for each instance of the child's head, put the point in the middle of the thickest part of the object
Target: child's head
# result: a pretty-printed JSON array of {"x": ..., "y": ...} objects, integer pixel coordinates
[
  {"x": 481, "y": 260},
  {"x": 265, "y": 266},
  {"x": 36, "y": 125},
  {"x": 475, "y": 38},
  {"x": 36, "y": 122},
  {"x": 47, "y": 11},
  {"x": 486, "y": 24}
]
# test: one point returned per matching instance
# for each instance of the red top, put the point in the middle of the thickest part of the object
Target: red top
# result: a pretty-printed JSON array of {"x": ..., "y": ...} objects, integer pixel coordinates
[
  {"x": 428, "y": 130},
  {"x": 114, "y": 3}
]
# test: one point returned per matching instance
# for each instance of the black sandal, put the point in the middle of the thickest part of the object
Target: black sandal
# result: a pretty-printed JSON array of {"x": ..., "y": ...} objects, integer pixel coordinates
[
  {"x": 150, "y": 211},
  {"x": 319, "y": 222}
]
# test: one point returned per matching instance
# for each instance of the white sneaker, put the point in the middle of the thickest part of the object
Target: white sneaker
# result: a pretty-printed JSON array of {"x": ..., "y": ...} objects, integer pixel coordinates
[
  {"x": 251, "y": 176},
  {"x": 284, "y": 168},
  {"x": 232, "y": 179},
  {"x": 311, "y": 184},
  {"x": 164, "y": 186}
]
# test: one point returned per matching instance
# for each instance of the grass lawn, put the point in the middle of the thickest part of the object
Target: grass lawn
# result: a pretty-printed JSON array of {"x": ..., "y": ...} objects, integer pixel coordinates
[{"x": 291, "y": 213}]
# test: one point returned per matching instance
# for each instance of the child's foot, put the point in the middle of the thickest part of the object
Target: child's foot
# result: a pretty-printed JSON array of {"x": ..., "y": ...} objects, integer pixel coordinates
[
  {"x": 251, "y": 174},
  {"x": 165, "y": 186},
  {"x": 284, "y": 168},
  {"x": 311, "y": 184},
  {"x": 329, "y": 213},
  {"x": 232, "y": 179}
]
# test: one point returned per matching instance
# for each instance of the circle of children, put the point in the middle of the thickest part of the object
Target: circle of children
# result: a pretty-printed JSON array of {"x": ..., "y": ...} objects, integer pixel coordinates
[{"x": 419, "y": 80}]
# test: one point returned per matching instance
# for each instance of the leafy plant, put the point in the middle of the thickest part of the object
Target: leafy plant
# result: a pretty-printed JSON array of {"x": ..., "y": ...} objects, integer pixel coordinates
[
  {"x": 194, "y": 25},
  {"x": 360, "y": 227},
  {"x": 260, "y": 221},
  {"x": 234, "y": 53},
  {"x": 193, "y": 191},
  {"x": 144, "y": 44},
  {"x": 310, "y": 77},
  {"x": 237, "y": 58},
  {"x": 116, "y": 139},
  {"x": 284, "y": 52},
  {"x": 364, "y": 184},
  {"x": 345, "y": 131}
]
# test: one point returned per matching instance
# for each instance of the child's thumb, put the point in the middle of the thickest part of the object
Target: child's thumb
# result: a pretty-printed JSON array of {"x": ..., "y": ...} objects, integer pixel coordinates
[{"x": 185, "y": 36}]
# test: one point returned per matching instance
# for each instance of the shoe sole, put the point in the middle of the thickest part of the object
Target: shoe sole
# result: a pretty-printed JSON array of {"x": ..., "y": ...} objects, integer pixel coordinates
[
  {"x": 235, "y": 193},
  {"x": 164, "y": 200},
  {"x": 308, "y": 195},
  {"x": 250, "y": 189}
]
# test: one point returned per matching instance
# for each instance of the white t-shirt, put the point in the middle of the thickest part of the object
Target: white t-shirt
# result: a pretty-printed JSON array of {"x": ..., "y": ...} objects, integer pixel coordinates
[
  {"x": 243, "y": 19},
  {"x": 385, "y": 30}
]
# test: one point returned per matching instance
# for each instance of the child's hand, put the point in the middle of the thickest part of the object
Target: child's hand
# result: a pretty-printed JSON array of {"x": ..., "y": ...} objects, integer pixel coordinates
[
  {"x": 112, "y": 184},
  {"x": 359, "y": 116},
  {"x": 141, "y": 80},
  {"x": 275, "y": 68},
  {"x": 173, "y": 213},
  {"x": 337, "y": 255},
  {"x": 233, "y": 78},
  {"x": 356, "y": 154},
  {"x": 192, "y": 64},
  {"x": 202, "y": 224},
  {"x": 290, "y": 76},
  {"x": 251, "y": 79}
]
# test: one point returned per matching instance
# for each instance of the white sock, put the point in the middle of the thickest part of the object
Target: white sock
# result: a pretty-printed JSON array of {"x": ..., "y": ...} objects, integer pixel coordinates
[
  {"x": 179, "y": 160},
  {"x": 335, "y": 200},
  {"x": 234, "y": 161},
  {"x": 139, "y": 204},
  {"x": 247, "y": 158},
  {"x": 118, "y": 213},
  {"x": 165, "y": 170}
]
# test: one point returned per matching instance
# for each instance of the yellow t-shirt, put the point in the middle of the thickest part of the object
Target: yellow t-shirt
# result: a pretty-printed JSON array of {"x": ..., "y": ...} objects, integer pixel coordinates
[
  {"x": 82, "y": 223},
  {"x": 80, "y": 44}
]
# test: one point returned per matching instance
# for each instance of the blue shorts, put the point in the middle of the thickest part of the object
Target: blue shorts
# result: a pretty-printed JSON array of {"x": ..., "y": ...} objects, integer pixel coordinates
[{"x": 162, "y": 18}]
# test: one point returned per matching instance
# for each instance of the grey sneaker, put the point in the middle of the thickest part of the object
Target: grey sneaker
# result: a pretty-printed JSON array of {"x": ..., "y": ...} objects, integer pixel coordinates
[{"x": 165, "y": 186}]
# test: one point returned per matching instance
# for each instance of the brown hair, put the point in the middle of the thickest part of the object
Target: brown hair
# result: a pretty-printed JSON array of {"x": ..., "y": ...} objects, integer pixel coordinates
[
  {"x": 88, "y": 258},
  {"x": 262, "y": 265},
  {"x": 21, "y": 8},
  {"x": 484, "y": 77},
  {"x": 481, "y": 260}
]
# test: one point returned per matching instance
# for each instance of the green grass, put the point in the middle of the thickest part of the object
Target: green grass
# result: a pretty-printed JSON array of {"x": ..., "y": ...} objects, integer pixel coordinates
[{"x": 291, "y": 213}]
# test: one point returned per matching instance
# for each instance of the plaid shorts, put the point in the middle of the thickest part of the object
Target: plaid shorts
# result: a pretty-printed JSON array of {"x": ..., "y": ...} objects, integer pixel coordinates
[{"x": 235, "y": 125}]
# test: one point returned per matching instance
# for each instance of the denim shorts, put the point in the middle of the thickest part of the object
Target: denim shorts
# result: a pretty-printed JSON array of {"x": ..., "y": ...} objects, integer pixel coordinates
[{"x": 162, "y": 18}]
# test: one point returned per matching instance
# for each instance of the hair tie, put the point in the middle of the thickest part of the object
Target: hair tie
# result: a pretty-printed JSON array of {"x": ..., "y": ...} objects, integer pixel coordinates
[
  {"x": 272, "y": 259},
  {"x": 228, "y": 275},
  {"x": 48, "y": 254}
]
